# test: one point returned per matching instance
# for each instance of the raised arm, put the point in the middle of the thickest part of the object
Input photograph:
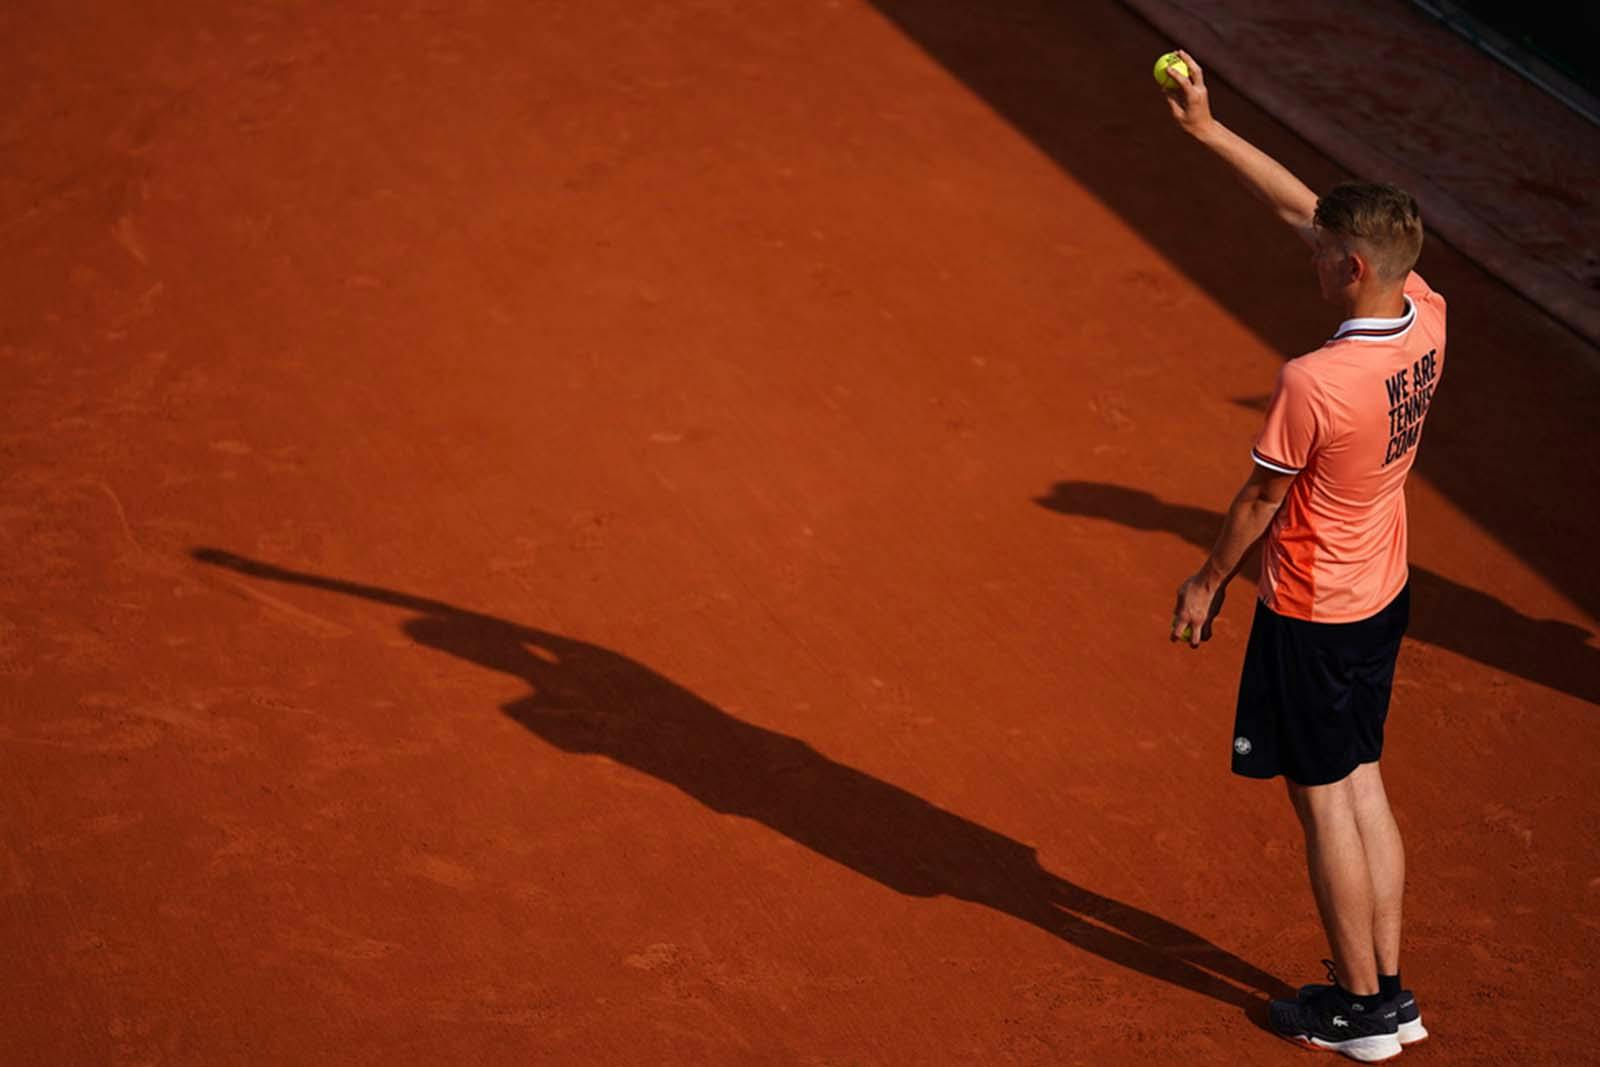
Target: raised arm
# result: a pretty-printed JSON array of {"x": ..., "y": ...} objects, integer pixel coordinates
[{"x": 1286, "y": 195}]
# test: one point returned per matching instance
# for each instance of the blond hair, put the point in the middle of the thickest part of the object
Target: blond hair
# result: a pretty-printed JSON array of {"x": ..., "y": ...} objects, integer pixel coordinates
[{"x": 1380, "y": 221}]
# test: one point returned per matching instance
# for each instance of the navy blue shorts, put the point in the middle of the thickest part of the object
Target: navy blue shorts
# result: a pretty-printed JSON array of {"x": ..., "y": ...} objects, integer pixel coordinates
[{"x": 1313, "y": 696}]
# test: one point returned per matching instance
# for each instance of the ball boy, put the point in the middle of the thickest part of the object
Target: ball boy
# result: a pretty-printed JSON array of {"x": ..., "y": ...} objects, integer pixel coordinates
[{"x": 1326, "y": 489}]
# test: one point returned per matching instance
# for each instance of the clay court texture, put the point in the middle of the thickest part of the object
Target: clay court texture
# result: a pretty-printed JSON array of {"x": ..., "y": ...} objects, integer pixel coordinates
[{"x": 644, "y": 532}]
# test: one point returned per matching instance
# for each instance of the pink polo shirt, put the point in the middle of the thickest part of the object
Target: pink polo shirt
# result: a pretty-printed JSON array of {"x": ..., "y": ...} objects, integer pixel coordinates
[{"x": 1347, "y": 418}]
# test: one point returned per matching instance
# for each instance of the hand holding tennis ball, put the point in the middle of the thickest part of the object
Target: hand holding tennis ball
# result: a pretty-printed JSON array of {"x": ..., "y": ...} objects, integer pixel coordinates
[
  {"x": 1173, "y": 62},
  {"x": 1199, "y": 601},
  {"x": 1184, "y": 85}
]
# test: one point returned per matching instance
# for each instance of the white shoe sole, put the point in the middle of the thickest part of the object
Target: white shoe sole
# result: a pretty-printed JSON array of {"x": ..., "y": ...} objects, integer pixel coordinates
[{"x": 1374, "y": 1049}]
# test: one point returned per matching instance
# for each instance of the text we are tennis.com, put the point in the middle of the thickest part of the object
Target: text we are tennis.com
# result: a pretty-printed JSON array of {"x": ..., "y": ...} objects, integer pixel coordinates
[{"x": 1410, "y": 392}]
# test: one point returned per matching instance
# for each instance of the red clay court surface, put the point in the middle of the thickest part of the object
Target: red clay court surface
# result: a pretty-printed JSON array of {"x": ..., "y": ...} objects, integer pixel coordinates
[{"x": 642, "y": 533}]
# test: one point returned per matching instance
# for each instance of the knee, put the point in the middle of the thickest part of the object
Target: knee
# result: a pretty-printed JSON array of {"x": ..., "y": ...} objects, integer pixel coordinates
[
  {"x": 1366, "y": 783},
  {"x": 1300, "y": 801},
  {"x": 1316, "y": 804}
]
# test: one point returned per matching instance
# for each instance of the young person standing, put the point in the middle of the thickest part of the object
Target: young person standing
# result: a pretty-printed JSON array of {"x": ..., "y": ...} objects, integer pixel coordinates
[{"x": 1326, "y": 491}]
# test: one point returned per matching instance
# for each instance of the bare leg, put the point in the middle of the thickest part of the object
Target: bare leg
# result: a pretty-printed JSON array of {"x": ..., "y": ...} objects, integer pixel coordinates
[
  {"x": 1386, "y": 859},
  {"x": 1340, "y": 879}
]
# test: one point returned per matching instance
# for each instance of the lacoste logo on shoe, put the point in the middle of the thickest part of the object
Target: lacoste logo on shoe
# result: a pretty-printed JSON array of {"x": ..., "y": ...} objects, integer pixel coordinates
[
  {"x": 1339, "y": 1020},
  {"x": 1242, "y": 745}
]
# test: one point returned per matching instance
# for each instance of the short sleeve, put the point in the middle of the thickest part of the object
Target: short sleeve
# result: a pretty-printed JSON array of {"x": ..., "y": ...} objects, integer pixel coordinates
[
  {"x": 1292, "y": 431},
  {"x": 1430, "y": 305}
]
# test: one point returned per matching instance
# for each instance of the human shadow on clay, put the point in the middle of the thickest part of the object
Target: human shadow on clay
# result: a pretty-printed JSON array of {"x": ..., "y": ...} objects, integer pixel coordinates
[
  {"x": 586, "y": 699},
  {"x": 1443, "y": 613}
]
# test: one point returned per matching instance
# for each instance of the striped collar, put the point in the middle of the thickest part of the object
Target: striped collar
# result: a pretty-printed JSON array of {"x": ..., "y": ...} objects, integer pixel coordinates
[{"x": 1377, "y": 329}]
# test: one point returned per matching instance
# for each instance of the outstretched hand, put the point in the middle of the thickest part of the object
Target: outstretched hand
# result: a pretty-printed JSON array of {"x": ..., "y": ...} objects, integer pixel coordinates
[{"x": 1188, "y": 99}]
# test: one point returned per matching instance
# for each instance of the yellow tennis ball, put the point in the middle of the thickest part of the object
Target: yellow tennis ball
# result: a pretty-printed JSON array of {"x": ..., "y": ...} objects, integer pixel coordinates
[{"x": 1170, "y": 61}]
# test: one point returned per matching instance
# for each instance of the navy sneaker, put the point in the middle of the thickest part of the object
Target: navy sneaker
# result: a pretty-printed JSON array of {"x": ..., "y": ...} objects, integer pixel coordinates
[
  {"x": 1329, "y": 1021},
  {"x": 1408, "y": 1015}
]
